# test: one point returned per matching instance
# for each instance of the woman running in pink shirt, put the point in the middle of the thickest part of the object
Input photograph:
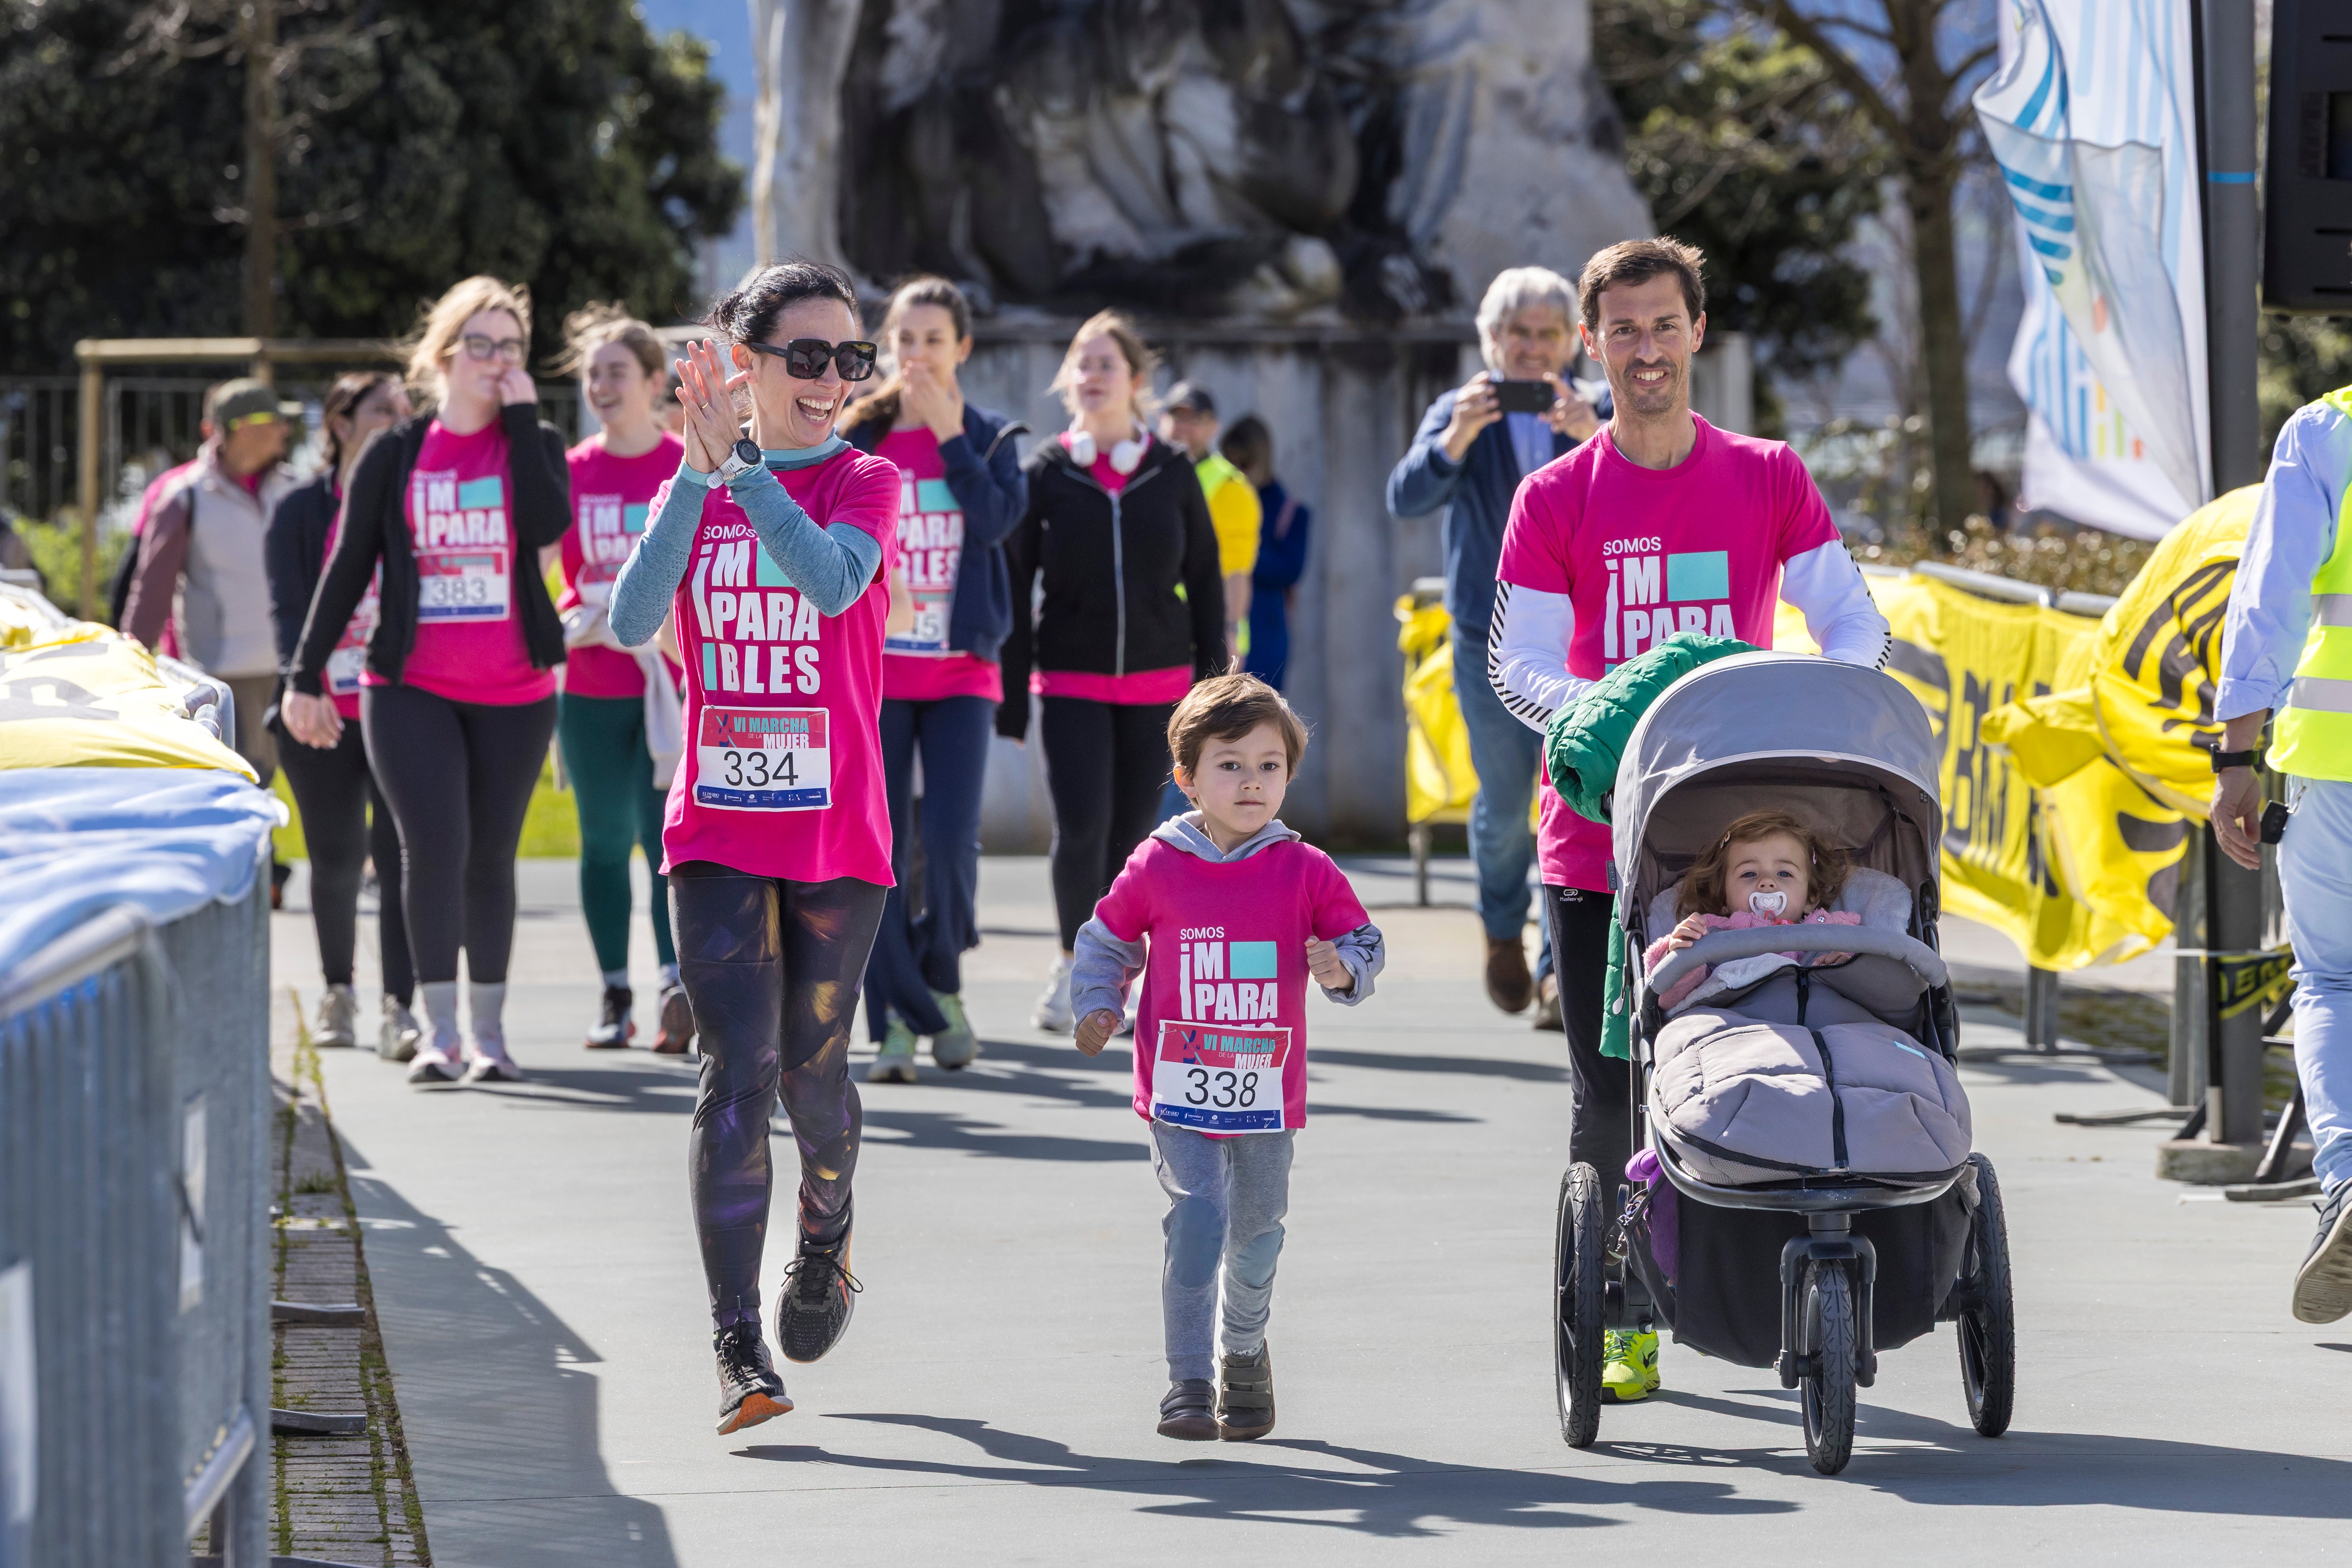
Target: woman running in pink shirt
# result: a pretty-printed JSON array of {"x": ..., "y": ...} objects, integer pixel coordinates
[{"x": 770, "y": 557}]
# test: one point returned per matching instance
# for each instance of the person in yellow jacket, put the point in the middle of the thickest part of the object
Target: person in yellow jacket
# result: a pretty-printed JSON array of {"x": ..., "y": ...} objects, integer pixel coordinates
[
  {"x": 1188, "y": 419},
  {"x": 2286, "y": 658}
]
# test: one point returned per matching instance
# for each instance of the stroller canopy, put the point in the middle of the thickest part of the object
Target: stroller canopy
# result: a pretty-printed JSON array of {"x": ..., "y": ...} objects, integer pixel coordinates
[{"x": 1846, "y": 750}]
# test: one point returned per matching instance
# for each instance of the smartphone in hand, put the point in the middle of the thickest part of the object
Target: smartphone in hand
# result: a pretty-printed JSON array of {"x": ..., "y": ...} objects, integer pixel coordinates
[{"x": 1523, "y": 396}]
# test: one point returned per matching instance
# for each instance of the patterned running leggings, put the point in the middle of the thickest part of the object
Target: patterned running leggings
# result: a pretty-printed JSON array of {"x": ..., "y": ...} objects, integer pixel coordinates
[{"x": 772, "y": 968}]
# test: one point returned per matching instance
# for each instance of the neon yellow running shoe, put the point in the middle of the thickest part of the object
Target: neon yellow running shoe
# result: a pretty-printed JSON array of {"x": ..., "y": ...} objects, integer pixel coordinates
[{"x": 1629, "y": 1365}]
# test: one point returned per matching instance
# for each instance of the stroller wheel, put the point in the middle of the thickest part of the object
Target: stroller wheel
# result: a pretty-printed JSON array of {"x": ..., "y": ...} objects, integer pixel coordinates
[
  {"x": 1827, "y": 1391},
  {"x": 1988, "y": 1315},
  {"x": 1577, "y": 1280}
]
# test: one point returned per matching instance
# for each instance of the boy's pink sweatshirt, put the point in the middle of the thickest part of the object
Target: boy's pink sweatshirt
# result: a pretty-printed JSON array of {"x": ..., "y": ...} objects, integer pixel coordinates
[
  {"x": 1220, "y": 940},
  {"x": 1744, "y": 919}
]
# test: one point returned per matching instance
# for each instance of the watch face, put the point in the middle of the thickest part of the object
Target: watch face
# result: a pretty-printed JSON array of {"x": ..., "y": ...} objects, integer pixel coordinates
[{"x": 747, "y": 452}]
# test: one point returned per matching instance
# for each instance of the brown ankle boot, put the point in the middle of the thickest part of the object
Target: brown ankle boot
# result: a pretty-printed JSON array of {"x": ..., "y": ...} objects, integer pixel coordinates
[{"x": 1508, "y": 983}]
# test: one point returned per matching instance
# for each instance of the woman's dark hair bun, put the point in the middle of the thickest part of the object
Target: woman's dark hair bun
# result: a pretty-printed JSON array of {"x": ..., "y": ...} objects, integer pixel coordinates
[{"x": 749, "y": 314}]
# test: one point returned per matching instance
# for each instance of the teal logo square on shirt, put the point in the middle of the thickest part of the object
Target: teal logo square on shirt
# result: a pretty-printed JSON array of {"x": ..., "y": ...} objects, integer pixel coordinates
[
  {"x": 934, "y": 495},
  {"x": 765, "y": 573},
  {"x": 1252, "y": 961},
  {"x": 483, "y": 492},
  {"x": 1698, "y": 574},
  {"x": 632, "y": 518}
]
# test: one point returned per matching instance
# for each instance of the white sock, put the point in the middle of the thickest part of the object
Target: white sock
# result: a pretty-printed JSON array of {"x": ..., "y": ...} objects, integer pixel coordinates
[
  {"x": 617, "y": 979},
  {"x": 669, "y": 975},
  {"x": 486, "y": 1000},
  {"x": 440, "y": 999}
]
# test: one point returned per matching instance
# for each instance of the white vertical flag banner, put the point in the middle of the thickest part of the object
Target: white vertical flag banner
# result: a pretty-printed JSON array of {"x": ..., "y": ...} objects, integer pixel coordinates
[{"x": 2093, "y": 120}]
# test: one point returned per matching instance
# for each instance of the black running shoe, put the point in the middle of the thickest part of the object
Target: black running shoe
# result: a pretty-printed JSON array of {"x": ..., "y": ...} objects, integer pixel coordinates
[
  {"x": 615, "y": 1027},
  {"x": 749, "y": 1391},
  {"x": 2322, "y": 1286},
  {"x": 820, "y": 1293},
  {"x": 1245, "y": 1395},
  {"x": 1186, "y": 1411}
]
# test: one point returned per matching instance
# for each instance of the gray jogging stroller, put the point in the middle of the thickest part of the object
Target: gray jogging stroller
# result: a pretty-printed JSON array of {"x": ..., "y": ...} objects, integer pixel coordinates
[{"x": 1819, "y": 1202}]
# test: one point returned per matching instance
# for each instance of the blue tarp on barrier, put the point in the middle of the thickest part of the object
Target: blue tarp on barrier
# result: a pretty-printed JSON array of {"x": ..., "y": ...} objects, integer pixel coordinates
[{"x": 74, "y": 841}]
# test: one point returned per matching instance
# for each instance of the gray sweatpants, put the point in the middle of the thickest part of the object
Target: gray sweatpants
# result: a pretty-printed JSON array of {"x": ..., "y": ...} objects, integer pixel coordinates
[{"x": 1226, "y": 1197}]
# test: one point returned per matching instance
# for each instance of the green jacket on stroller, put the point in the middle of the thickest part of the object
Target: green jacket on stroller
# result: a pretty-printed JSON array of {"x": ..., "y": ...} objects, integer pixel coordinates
[{"x": 1581, "y": 748}]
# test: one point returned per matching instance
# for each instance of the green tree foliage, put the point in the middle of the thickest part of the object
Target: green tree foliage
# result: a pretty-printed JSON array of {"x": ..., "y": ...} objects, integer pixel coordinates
[
  {"x": 1748, "y": 148},
  {"x": 552, "y": 141}
]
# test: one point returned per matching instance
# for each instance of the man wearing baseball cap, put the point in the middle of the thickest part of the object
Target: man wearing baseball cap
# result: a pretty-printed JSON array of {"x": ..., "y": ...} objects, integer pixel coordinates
[
  {"x": 200, "y": 556},
  {"x": 1188, "y": 419}
]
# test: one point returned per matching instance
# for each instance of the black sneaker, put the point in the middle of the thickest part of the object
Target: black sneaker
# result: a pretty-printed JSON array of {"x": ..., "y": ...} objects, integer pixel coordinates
[
  {"x": 613, "y": 1026},
  {"x": 1185, "y": 1410},
  {"x": 2322, "y": 1286},
  {"x": 1245, "y": 1395},
  {"x": 749, "y": 1391},
  {"x": 820, "y": 1293},
  {"x": 677, "y": 1023}
]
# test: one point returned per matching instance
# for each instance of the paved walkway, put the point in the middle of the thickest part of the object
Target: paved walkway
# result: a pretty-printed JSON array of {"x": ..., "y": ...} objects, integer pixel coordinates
[{"x": 543, "y": 1312}]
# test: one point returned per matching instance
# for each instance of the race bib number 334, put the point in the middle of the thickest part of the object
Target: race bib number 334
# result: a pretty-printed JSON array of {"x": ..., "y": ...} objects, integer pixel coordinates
[
  {"x": 1215, "y": 1077},
  {"x": 763, "y": 759}
]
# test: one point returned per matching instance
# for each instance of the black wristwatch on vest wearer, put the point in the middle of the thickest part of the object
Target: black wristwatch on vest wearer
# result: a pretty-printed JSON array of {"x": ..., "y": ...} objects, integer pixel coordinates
[
  {"x": 741, "y": 459},
  {"x": 2223, "y": 760}
]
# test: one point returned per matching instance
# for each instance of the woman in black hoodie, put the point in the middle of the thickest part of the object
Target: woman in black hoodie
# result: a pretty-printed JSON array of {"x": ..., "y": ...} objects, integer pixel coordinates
[{"x": 1132, "y": 615}]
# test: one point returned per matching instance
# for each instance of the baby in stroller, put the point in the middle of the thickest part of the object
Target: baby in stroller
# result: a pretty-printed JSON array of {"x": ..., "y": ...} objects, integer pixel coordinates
[{"x": 1766, "y": 869}]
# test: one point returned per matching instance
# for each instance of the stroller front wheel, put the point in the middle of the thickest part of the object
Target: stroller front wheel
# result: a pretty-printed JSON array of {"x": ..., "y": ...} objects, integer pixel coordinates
[
  {"x": 1578, "y": 1285},
  {"x": 1987, "y": 1314},
  {"x": 1827, "y": 1390}
]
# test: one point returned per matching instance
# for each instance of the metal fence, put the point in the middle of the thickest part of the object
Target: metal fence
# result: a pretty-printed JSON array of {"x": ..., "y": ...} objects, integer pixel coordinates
[
  {"x": 135, "y": 1330},
  {"x": 151, "y": 424}
]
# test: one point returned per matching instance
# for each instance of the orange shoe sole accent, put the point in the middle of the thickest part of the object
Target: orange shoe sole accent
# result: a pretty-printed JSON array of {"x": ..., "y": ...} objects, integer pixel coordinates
[{"x": 755, "y": 1409}]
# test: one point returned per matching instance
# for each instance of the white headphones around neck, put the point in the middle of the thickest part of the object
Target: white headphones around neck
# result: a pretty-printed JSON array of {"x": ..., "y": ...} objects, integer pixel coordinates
[{"x": 1124, "y": 458}]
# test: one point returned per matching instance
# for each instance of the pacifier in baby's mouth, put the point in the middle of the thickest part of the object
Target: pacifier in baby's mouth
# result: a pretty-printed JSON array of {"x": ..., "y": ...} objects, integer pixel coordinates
[{"x": 1774, "y": 904}]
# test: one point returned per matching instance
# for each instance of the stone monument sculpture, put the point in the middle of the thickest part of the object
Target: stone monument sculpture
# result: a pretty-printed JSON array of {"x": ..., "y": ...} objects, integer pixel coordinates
[{"x": 1361, "y": 160}]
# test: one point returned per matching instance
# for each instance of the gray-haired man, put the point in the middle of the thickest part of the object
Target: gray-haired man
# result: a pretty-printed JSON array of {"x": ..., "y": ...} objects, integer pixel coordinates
[{"x": 1468, "y": 459}]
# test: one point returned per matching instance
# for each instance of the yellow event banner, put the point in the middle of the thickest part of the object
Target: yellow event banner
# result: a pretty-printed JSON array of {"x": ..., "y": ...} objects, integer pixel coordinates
[{"x": 2071, "y": 857}]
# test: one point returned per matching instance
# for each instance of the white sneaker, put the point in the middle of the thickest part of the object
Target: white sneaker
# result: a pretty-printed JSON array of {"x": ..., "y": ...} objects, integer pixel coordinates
[
  {"x": 1054, "y": 1005},
  {"x": 488, "y": 1062},
  {"x": 338, "y": 1011},
  {"x": 397, "y": 1036},
  {"x": 431, "y": 1066}
]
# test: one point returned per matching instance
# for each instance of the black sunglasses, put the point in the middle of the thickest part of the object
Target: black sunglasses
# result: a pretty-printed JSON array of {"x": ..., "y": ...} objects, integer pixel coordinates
[{"x": 805, "y": 357}]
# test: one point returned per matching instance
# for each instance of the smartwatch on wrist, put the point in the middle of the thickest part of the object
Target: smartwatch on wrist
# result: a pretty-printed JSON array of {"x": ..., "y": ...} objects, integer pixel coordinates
[
  {"x": 741, "y": 459},
  {"x": 2223, "y": 761}
]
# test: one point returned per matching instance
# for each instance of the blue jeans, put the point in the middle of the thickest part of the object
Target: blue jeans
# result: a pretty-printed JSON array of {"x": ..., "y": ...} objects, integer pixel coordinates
[
  {"x": 2315, "y": 864},
  {"x": 1506, "y": 755}
]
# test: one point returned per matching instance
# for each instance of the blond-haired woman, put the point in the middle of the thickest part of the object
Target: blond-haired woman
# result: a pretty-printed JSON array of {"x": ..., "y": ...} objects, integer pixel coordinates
[
  {"x": 960, "y": 493},
  {"x": 618, "y": 728},
  {"x": 1132, "y": 615},
  {"x": 457, "y": 696}
]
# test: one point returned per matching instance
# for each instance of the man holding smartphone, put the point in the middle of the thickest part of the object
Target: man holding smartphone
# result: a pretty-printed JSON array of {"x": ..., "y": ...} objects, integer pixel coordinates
[{"x": 1475, "y": 444}]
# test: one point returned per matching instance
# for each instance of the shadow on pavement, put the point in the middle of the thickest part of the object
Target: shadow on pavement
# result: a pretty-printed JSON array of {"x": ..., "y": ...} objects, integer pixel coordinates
[
  {"x": 2038, "y": 1469},
  {"x": 1403, "y": 1498},
  {"x": 500, "y": 1419}
]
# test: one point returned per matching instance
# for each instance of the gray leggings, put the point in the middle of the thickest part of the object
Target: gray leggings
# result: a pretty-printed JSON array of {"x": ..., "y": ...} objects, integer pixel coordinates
[{"x": 1226, "y": 1197}]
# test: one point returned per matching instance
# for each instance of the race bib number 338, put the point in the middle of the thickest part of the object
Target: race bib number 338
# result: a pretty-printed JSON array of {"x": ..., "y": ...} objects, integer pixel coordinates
[
  {"x": 1216, "y": 1078},
  {"x": 763, "y": 759}
]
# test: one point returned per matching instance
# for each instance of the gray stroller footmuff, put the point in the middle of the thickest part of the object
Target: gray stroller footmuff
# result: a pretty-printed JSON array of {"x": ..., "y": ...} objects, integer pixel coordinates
[{"x": 1741, "y": 1100}]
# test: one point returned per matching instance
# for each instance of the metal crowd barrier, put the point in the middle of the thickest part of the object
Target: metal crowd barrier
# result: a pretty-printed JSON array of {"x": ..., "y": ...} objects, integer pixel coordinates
[{"x": 134, "y": 1332}]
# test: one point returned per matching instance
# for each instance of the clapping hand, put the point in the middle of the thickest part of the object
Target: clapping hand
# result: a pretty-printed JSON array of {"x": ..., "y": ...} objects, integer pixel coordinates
[
  {"x": 706, "y": 392},
  {"x": 1324, "y": 962},
  {"x": 935, "y": 400}
]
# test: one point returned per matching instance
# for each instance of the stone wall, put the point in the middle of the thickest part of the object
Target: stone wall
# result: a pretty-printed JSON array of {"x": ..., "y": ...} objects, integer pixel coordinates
[{"x": 1343, "y": 405}]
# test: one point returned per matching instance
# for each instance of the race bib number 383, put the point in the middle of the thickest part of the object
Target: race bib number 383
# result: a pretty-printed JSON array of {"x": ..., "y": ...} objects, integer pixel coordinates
[
  {"x": 763, "y": 759},
  {"x": 1217, "y": 1078}
]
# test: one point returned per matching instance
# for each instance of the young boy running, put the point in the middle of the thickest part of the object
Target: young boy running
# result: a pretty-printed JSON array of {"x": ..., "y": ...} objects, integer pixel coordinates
[{"x": 1225, "y": 913}]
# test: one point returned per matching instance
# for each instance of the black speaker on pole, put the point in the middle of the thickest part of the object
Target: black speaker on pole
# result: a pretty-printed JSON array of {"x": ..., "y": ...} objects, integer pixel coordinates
[{"x": 2307, "y": 187}]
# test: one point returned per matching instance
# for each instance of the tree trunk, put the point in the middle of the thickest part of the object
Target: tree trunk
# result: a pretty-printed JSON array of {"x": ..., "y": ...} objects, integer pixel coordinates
[
  {"x": 767, "y": 123},
  {"x": 260, "y": 20},
  {"x": 1944, "y": 362}
]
